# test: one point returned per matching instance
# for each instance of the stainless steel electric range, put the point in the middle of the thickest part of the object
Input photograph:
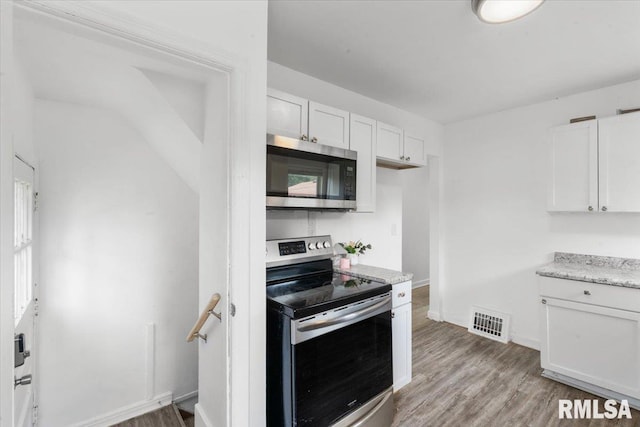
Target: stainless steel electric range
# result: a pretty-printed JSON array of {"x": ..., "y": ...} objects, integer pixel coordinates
[{"x": 329, "y": 357}]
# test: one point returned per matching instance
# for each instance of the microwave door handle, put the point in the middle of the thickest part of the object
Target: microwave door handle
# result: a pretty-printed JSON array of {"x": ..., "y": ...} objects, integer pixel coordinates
[{"x": 363, "y": 313}]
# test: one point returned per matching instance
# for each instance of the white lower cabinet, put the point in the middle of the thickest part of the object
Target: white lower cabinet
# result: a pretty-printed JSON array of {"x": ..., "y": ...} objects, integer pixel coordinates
[
  {"x": 584, "y": 340},
  {"x": 401, "y": 330}
]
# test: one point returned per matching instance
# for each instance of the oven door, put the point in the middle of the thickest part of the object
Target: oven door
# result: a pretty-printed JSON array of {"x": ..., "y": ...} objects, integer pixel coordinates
[{"x": 341, "y": 361}]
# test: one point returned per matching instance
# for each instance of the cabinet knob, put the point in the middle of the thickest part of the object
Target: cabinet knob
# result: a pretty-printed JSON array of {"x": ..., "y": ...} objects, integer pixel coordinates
[
  {"x": 544, "y": 301},
  {"x": 393, "y": 315},
  {"x": 408, "y": 158},
  {"x": 314, "y": 139},
  {"x": 304, "y": 137},
  {"x": 604, "y": 209},
  {"x": 401, "y": 157},
  {"x": 401, "y": 295},
  {"x": 590, "y": 208},
  {"x": 587, "y": 292}
]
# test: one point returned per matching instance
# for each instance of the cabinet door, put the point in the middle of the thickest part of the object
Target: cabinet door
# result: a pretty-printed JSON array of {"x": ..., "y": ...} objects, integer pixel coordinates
[
  {"x": 619, "y": 148},
  {"x": 363, "y": 141},
  {"x": 328, "y": 125},
  {"x": 401, "y": 329},
  {"x": 414, "y": 150},
  {"x": 573, "y": 174},
  {"x": 595, "y": 344},
  {"x": 390, "y": 143},
  {"x": 287, "y": 115}
]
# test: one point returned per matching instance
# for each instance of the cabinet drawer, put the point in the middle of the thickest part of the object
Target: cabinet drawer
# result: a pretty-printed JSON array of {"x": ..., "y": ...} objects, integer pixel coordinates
[
  {"x": 401, "y": 294},
  {"x": 591, "y": 293}
]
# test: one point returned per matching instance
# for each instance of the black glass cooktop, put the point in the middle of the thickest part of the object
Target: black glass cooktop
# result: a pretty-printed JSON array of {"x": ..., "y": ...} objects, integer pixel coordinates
[{"x": 310, "y": 294}]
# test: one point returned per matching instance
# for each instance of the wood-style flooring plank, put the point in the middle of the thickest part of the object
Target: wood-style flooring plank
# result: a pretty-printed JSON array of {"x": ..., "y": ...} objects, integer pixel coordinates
[{"x": 460, "y": 379}]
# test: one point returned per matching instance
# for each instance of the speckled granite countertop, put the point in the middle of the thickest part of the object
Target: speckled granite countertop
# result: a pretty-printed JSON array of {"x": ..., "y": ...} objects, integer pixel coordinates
[
  {"x": 376, "y": 274},
  {"x": 595, "y": 269}
]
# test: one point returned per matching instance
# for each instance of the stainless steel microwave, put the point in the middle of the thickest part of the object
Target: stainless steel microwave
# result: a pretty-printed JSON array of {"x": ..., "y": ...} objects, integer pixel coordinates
[{"x": 306, "y": 175}]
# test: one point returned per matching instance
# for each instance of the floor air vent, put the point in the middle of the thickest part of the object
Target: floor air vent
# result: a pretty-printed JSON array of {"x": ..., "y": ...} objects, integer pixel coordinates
[{"x": 489, "y": 324}]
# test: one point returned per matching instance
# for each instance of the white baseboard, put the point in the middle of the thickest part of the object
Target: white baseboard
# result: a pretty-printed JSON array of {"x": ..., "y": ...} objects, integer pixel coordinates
[
  {"x": 526, "y": 341},
  {"x": 127, "y": 412},
  {"x": 434, "y": 315},
  {"x": 201, "y": 418},
  {"x": 420, "y": 283}
]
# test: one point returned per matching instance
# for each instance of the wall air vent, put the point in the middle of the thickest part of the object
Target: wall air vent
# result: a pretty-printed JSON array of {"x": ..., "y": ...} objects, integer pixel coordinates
[{"x": 489, "y": 324}]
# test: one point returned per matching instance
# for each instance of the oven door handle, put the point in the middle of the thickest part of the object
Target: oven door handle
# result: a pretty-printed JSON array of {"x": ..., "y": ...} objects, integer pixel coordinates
[{"x": 346, "y": 318}]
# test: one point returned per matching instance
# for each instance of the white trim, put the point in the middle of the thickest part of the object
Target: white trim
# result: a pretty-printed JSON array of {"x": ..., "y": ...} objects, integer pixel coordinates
[
  {"x": 201, "y": 418},
  {"x": 434, "y": 315},
  {"x": 420, "y": 283},
  {"x": 526, "y": 341},
  {"x": 126, "y": 412},
  {"x": 28, "y": 406},
  {"x": 184, "y": 397}
]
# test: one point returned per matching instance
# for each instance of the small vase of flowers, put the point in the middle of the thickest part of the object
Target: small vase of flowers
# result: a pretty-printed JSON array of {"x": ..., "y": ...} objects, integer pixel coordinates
[{"x": 354, "y": 249}]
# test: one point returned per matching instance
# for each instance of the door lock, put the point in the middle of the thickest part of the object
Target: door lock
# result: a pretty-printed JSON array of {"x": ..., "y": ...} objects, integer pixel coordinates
[
  {"x": 24, "y": 380},
  {"x": 19, "y": 352}
]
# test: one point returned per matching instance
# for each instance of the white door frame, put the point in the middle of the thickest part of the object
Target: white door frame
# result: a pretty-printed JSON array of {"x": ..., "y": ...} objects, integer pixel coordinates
[{"x": 244, "y": 242}]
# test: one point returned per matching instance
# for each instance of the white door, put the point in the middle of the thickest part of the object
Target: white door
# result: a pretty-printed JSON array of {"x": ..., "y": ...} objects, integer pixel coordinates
[
  {"x": 573, "y": 170},
  {"x": 328, "y": 125},
  {"x": 619, "y": 149},
  {"x": 24, "y": 293}
]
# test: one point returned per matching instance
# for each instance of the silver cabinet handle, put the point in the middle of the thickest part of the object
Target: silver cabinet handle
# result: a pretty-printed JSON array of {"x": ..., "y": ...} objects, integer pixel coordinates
[
  {"x": 587, "y": 292},
  {"x": 304, "y": 137},
  {"x": 604, "y": 209},
  {"x": 590, "y": 208},
  {"x": 314, "y": 139}
]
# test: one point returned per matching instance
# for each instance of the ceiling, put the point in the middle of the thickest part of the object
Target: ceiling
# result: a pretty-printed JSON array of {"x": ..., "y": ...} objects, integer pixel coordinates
[{"x": 437, "y": 59}]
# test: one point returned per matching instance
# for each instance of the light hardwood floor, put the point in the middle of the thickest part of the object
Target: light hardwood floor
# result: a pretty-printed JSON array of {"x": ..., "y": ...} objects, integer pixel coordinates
[{"x": 460, "y": 379}]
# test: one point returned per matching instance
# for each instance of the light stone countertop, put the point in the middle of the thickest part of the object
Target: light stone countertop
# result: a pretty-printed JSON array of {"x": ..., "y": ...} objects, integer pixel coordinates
[
  {"x": 612, "y": 271},
  {"x": 376, "y": 274}
]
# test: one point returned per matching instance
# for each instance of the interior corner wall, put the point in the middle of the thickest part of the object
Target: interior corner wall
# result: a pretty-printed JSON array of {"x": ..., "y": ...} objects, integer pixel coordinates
[
  {"x": 415, "y": 224},
  {"x": 383, "y": 228},
  {"x": 119, "y": 251},
  {"x": 497, "y": 229}
]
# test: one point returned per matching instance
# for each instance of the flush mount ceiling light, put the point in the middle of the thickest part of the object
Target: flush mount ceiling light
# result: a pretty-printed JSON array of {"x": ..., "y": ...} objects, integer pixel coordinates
[{"x": 499, "y": 11}]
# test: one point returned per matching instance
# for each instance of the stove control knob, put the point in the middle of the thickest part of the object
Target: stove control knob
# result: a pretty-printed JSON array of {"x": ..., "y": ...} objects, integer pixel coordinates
[
  {"x": 327, "y": 244},
  {"x": 311, "y": 246},
  {"x": 319, "y": 245}
]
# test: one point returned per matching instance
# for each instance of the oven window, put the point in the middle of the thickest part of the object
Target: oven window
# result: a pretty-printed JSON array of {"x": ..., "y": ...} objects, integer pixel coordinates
[{"x": 338, "y": 372}]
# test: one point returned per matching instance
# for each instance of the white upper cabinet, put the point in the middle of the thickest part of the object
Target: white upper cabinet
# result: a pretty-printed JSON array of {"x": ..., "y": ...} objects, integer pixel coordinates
[
  {"x": 363, "y": 141},
  {"x": 398, "y": 149},
  {"x": 619, "y": 148},
  {"x": 390, "y": 142},
  {"x": 328, "y": 125},
  {"x": 414, "y": 150},
  {"x": 595, "y": 166},
  {"x": 573, "y": 174},
  {"x": 287, "y": 115}
]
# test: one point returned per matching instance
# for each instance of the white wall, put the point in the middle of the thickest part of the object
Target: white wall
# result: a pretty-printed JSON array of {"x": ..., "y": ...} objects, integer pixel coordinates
[
  {"x": 497, "y": 230},
  {"x": 23, "y": 99},
  {"x": 119, "y": 233},
  {"x": 415, "y": 223},
  {"x": 384, "y": 228}
]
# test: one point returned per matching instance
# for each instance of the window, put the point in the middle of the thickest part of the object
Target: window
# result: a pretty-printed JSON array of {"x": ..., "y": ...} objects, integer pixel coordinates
[{"x": 22, "y": 243}]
